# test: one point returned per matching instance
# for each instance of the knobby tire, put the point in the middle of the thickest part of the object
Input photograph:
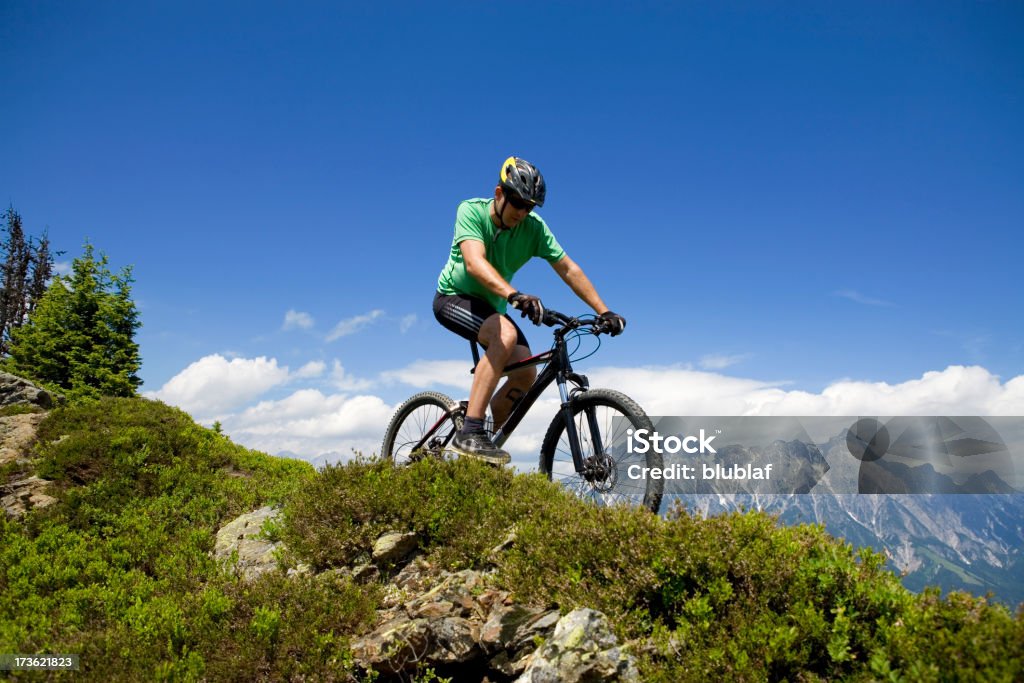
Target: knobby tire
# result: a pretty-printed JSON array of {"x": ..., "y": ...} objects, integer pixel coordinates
[
  {"x": 413, "y": 420},
  {"x": 616, "y": 487}
]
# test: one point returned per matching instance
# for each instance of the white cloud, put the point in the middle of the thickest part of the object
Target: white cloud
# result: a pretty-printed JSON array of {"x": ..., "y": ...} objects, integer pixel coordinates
[
  {"x": 957, "y": 390},
  {"x": 854, "y": 295},
  {"x": 310, "y": 370},
  {"x": 310, "y": 423},
  {"x": 297, "y": 320},
  {"x": 62, "y": 267},
  {"x": 214, "y": 385},
  {"x": 353, "y": 325},
  {"x": 424, "y": 374},
  {"x": 345, "y": 382},
  {"x": 407, "y": 322},
  {"x": 721, "y": 361}
]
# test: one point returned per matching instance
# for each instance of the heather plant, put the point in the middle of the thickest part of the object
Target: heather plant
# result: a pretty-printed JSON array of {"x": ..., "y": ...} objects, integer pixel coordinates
[
  {"x": 120, "y": 570},
  {"x": 459, "y": 510},
  {"x": 734, "y": 597}
]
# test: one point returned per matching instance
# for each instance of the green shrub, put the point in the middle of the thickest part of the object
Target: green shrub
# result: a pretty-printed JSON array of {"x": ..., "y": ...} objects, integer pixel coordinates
[
  {"x": 119, "y": 569},
  {"x": 735, "y": 597},
  {"x": 459, "y": 509},
  {"x": 120, "y": 572},
  {"x": 20, "y": 409}
]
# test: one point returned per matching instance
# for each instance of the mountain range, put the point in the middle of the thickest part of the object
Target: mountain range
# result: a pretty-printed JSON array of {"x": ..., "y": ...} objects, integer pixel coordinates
[{"x": 969, "y": 536}]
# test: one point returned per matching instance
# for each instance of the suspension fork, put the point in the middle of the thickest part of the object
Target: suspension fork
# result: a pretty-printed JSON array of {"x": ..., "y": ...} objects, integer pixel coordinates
[
  {"x": 570, "y": 425},
  {"x": 595, "y": 430},
  {"x": 567, "y": 396}
]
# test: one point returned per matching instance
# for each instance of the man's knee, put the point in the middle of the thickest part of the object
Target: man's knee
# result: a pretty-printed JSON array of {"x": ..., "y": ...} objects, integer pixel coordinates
[
  {"x": 523, "y": 377},
  {"x": 498, "y": 332}
]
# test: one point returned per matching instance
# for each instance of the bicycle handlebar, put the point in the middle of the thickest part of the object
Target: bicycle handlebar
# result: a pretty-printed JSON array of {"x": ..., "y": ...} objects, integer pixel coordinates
[{"x": 568, "y": 323}]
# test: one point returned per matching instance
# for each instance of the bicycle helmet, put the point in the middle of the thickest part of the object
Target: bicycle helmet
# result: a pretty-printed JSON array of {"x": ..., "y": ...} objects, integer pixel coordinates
[{"x": 523, "y": 178}]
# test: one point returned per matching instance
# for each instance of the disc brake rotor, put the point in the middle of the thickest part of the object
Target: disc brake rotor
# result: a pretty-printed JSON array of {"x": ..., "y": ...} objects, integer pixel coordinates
[{"x": 599, "y": 470}]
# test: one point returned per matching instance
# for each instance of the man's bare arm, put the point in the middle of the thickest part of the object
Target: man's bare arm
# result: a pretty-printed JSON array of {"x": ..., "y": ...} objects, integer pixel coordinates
[
  {"x": 475, "y": 256},
  {"x": 578, "y": 281}
]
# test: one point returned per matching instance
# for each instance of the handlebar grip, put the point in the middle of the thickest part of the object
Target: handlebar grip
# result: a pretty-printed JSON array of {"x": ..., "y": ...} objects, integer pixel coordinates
[{"x": 552, "y": 318}]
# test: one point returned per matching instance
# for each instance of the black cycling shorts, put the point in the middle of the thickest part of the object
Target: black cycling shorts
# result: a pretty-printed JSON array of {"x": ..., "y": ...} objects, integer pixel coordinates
[{"x": 464, "y": 314}]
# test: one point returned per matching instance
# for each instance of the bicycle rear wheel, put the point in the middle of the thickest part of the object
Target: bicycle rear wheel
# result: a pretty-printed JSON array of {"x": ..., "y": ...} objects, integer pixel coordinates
[
  {"x": 421, "y": 427},
  {"x": 602, "y": 417}
]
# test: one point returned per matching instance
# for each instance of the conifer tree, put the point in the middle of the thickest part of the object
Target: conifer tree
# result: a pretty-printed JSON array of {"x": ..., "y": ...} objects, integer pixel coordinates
[
  {"x": 81, "y": 335},
  {"x": 24, "y": 276},
  {"x": 42, "y": 271},
  {"x": 15, "y": 271}
]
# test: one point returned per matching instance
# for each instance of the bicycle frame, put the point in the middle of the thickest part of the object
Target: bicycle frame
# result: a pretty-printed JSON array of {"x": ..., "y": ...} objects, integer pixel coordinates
[
  {"x": 587, "y": 423},
  {"x": 558, "y": 370}
]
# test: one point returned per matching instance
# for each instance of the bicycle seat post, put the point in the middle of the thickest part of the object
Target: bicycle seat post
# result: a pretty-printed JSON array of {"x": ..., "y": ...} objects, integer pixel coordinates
[{"x": 476, "y": 353}]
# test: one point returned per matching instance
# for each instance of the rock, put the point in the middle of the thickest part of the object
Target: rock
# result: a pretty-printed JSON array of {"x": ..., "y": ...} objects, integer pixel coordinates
[
  {"x": 582, "y": 648},
  {"x": 509, "y": 635},
  {"x": 16, "y": 390},
  {"x": 503, "y": 624},
  {"x": 452, "y": 596},
  {"x": 435, "y": 610},
  {"x": 451, "y": 619},
  {"x": 446, "y": 619},
  {"x": 392, "y": 548},
  {"x": 414, "y": 576},
  {"x": 403, "y": 643},
  {"x": 509, "y": 665},
  {"x": 510, "y": 540},
  {"x": 25, "y": 494},
  {"x": 537, "y": 627},
  {"x": 455, "y": 641},
  {"x": 365, "y": 573},
  {"x": 362, "y": 573},
  {"x": 255, "y": 555},
  {"x": 17, "y": 432},
  {"x": 301, "y": 569},
  {"x": 394, "y": 646}
]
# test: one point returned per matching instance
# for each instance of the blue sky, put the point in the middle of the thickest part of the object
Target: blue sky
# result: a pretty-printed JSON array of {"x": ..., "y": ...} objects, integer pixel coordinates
[{"x": 803, "y": 199}]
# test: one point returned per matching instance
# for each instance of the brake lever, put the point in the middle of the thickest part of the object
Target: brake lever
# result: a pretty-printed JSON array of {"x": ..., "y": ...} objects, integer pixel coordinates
[{"x": 600, "y": 328}]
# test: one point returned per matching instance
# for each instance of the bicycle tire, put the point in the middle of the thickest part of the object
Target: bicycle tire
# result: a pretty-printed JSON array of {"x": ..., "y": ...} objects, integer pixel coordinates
[
  {"x": 615, "y": 486},
  {"x": 419, "y": 415}
]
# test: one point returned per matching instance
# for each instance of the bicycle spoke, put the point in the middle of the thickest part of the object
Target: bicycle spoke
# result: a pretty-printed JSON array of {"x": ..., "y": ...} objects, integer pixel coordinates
[
  {"x": 616, "y": 486},
  {"x": 421, "y": 428}
]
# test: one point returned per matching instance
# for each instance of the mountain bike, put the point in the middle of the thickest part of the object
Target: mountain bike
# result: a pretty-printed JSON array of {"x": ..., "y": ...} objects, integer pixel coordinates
[{"x": 585, "y": 447}]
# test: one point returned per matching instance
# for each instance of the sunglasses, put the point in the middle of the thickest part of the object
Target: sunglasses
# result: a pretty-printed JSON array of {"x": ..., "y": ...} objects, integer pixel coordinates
[{"x": 518, "y": 202}]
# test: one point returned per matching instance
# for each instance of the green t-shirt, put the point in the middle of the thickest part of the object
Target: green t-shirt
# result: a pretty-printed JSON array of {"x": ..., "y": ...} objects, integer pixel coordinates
[{"x": 507, "y": 250}]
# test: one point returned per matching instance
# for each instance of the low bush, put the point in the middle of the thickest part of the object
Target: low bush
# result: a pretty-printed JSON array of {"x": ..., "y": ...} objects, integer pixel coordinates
[
  {"x": 734, "y": 597},
  {"x": 120, "y": 571}
]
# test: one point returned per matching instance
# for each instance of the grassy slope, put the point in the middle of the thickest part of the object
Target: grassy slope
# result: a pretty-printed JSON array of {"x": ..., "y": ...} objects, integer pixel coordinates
[{"x": 119, "y": 570}]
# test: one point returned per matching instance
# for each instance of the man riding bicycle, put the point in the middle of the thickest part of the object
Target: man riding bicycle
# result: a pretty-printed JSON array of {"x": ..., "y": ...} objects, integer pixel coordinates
[{"x": 494, "y": 238}]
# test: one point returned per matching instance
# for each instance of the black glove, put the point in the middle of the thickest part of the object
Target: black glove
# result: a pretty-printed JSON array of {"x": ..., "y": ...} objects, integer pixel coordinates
[
  {"x": 529, "y": 305},
  {"x": 613, "y": 323}
]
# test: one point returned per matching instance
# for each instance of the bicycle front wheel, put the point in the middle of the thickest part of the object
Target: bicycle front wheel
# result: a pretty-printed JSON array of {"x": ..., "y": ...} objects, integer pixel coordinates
[
  {"x": 610, "y": 475},
  {"x": 421, "y": 427}
]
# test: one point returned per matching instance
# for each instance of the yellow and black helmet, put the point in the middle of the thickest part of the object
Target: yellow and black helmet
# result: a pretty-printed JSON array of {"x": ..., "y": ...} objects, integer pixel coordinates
[{"x": 521, "y": 177}]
